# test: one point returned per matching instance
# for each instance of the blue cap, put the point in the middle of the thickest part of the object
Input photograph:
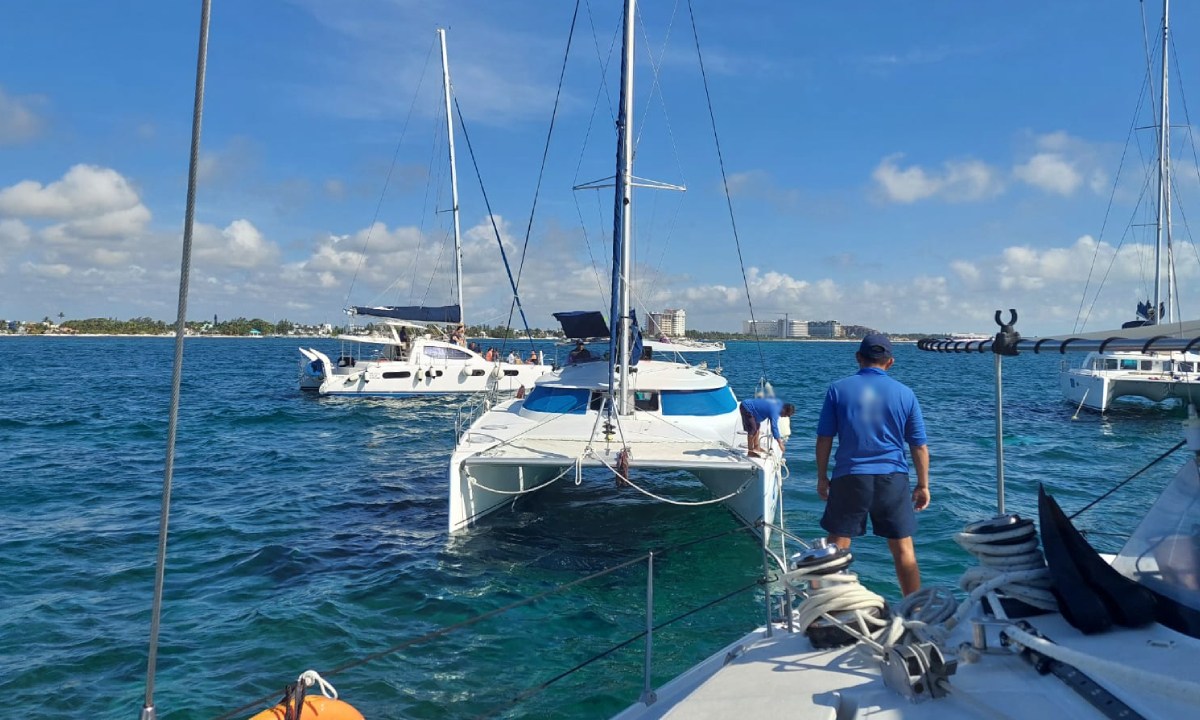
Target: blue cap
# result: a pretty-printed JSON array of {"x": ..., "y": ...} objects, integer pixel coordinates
[{"x": 875, "y": 346}]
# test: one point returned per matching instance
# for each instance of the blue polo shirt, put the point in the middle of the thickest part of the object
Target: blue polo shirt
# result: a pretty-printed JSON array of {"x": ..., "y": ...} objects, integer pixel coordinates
[
  {"x": 873, "y": 417},
  {"x": 765, "y": 409}
]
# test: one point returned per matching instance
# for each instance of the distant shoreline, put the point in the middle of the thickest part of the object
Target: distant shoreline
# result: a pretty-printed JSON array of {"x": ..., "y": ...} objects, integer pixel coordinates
[{"x": 168, "y": 335}]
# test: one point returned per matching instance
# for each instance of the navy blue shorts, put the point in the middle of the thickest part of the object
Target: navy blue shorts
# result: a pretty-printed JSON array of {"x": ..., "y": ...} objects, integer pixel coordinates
[
  {"x": 749, "y": 423},
  {"x": 887, "y": 499}
]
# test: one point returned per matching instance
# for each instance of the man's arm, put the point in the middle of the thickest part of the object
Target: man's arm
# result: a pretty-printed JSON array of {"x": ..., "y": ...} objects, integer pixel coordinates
[
  {"x": 824, "y": 448},
  {"x": 920, "y": 495}
]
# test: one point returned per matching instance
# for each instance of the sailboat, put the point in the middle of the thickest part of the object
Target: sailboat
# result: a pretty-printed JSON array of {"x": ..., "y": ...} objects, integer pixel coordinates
[
  {"x": 403, "y": 358},
  {"x": 623, "y": 413},
  {"x": 1106, "y": 375}
]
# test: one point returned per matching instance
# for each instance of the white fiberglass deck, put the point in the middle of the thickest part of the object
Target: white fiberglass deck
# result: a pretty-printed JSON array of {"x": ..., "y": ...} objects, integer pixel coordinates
[{"x": 783, "y": 676}]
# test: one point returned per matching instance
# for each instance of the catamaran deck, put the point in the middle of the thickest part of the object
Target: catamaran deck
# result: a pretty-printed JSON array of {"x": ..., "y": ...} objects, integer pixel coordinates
[{"x": 783, "y": 676}]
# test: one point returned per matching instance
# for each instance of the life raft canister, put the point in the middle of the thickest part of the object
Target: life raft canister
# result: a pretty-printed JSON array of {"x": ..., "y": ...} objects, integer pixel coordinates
[{"x": 316, "y": 707}]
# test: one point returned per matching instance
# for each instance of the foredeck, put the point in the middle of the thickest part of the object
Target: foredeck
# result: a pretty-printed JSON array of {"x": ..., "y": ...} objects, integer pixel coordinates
[{"x": 760, "y": 677}]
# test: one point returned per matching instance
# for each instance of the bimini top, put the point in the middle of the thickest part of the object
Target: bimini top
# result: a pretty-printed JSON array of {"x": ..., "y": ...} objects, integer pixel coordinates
[
  {"x": 581, "y": 324},
  {"x": 449, "y": 314}
]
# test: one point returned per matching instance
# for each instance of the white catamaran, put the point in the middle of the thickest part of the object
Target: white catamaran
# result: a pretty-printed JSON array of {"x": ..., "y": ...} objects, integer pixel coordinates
[
  {"x": 625, "y": 413},
  {"x": 404, "y": 359},
  {"x": 1106, "y": 375}
]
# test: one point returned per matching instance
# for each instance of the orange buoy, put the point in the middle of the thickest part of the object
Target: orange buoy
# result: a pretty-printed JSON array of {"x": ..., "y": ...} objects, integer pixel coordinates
[{"x": 316, "y": 707}]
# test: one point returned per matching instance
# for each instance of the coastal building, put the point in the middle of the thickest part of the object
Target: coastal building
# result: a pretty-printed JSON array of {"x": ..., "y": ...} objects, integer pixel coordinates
[
  {"x": 761, "y": 328},
  {"x": 795, "y": 328},
  {"x": 781, "y": 328},
  {"x": 826, "y": 329},
  {"x": 670, "y": 322}
]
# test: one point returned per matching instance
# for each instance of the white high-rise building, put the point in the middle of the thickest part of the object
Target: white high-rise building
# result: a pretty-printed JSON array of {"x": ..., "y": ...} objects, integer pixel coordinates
[
  {"x": 670, "y": 322},
  {"x": 761, "y": 328}
]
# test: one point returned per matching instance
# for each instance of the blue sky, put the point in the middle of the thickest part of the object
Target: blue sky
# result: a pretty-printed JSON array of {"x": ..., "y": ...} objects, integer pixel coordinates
[{"x": 911, "y": 167}]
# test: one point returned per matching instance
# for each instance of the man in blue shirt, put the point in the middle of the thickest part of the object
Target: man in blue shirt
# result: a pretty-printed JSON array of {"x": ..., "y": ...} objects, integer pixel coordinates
[
  {"x": 873, "y": 417},
  {"x": 754, "y": 412}
]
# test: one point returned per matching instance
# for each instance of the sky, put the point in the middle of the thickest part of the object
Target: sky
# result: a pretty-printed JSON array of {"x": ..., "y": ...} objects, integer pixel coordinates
[{"x": 911, "y": 167}]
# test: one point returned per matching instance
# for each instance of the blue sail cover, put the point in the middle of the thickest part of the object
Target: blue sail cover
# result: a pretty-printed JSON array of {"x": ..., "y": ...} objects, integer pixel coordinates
[
  {"x": 444, "y": 314},
  {"x": 581, "y": 324},
  {"x": 635, "y": 350}
]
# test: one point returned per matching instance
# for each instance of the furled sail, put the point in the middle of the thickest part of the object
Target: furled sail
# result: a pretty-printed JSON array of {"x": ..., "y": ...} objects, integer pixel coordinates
[{"x": 449, "y": 314}]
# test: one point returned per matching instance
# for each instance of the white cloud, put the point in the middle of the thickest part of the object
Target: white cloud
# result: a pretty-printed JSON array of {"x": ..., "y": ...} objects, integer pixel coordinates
[
  {"x": 956, "y": 181},
  {"x": 18, "y": 121},
  {"x": 1050, "y": 172},
  {"x": 239, "y": 245},
  {"x": 84, "y": 191},
  {"x": 1060, "y": 163}
]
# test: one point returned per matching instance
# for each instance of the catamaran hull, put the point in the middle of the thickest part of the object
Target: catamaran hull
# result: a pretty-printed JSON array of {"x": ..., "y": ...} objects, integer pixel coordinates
[
  {"x": 1097, "y": 392},
  {"x": 404, "y": 379},
  {"x": 480, "y": 486}
]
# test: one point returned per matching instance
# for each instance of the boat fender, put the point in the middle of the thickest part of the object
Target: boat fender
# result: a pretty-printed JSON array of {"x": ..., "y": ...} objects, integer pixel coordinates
[{"x": 315, "y": 707}]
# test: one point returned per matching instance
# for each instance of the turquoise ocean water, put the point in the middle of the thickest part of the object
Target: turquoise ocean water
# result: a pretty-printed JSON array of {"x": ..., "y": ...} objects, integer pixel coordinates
[{"x": 311, "y": 532}]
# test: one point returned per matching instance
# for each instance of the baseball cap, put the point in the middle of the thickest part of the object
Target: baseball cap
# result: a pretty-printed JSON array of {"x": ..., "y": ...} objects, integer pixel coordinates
[{"x": 875, "y": 346}]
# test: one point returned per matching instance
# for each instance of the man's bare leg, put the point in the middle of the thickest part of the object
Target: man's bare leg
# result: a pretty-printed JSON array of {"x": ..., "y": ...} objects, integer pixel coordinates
[
  {"x": 840, "y": 541},
  {"x": 905, "y": 559}
]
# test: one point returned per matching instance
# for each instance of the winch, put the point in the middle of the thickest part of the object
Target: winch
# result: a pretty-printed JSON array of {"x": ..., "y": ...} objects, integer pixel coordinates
[{"x": 822, "y": 571}]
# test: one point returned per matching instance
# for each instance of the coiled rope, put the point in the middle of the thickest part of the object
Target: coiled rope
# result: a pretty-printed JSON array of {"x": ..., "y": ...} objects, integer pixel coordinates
[{"x": 1010, "y": 561}]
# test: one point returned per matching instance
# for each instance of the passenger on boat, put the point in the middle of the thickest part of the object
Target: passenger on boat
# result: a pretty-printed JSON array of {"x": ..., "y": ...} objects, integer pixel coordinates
[
  {"x": 754, "y": 412},
  {"x": 579, "y": 354},
  {"x": 533, "y": 357},
  {"x": 872, "y": 416}
]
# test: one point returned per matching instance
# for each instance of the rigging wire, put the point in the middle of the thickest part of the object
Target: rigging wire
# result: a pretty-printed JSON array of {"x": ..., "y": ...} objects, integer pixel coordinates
[
  {"x": 462, "y": 123},
  {"x": 1121, "y": 484},
  {"x": 542, "y": 169},
  {"x": 446, "y": 630},
  {"x": 530, "y": 692},
  {"x": 725, "y": 183},
  {"x": 1195, "y": 159},
  {"x": 603, "y": 63},
  {"x": 185, "y": 271},
  {"x": 388, "y": 178},
  {"x": 1108, "y": 209}
]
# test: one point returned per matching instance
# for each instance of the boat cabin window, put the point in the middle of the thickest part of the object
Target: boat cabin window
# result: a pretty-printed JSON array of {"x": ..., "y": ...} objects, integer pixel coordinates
[
  {"x": 1163, "y": 554},
  {"x": 1168, "y": 365},
  {"x": 1129, "y": 364},
  {"x": 716, "y": 401},
  {"x": 557, "y": 400},
  {"x": 1187, "y": 367},
  {"x": 1147, "y": 365},
  {"x": 645, "y": 400},
  {"x": 1110, "y": 364},
  {"x": 396, "y": 375},
  {"x": 445, "y": 353},
  {"x": 642, "y": 400}
]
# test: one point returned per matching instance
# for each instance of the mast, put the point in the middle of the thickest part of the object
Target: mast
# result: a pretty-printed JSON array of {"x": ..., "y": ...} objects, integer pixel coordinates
[
  {"x": 622, "y": 226},
  {"x": 458, "y": 261},
  {"x": 1163, "y": 221}
]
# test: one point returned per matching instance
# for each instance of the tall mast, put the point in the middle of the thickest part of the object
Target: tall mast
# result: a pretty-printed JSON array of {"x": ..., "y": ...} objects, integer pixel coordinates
[
  {"x": 622, "y": 226},
  {"x": 1163, "y": 221},
  {"x": 458, "y": 261}
]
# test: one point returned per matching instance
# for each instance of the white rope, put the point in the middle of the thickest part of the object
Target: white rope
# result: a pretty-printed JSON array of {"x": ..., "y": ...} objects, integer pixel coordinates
[
  {"x": 1149, "y": 683},
  {"x": 840, "y": 592},
  {"x": 669, "y": 501},
  {"x": 526, "y": 491},
  {"x": 311, "y": 677},
  {"x": 1019, "y": 569}
]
